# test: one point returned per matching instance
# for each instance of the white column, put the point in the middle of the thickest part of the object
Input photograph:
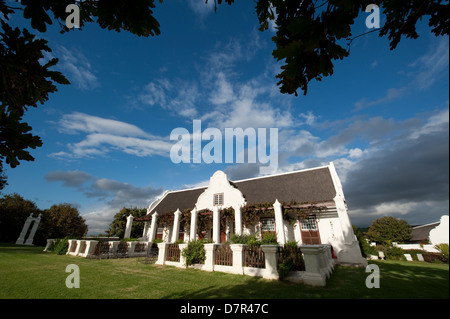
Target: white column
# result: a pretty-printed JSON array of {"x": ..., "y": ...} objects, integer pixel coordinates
[
  {"x": 176, "y": 226},
  {"x": 23, "y": 233},
  {"x": 162, "y": 253},
  {"x": 33, "y": 230},
  {"x": 128, "y": 226},
  {"x": 209, "y": 254},
  {"x": 270, "y": 253},
  {"x": 194, "y": 215},
  {"x": 238, "y": 258},
  {"x": 153, "y": 226},
  {"x": 216, "y": 225},
  {"x": 279, "y": 222},
  {"x": 238, "y": 219}
]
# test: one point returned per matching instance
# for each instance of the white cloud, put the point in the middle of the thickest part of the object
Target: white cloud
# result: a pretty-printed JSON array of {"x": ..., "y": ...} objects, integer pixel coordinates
[
  {"x": 309, "y": 117},
  {"x": 223, "y": 93},
  {"x": 177, "y": 96},
  {"x": 105, "y": 135},
  {"x": 100, "y": 144},
  {"x": 391, "y": 94},
  {"x": 74, "y": 64},
  {"x": 112, "y": 194},
  {"x": 425, "y": 71},
  {"x": 80, "y": 122},
  {"x": 201, "y": 8},
  {"x": 436, "y": 123},
  {"x": 433, "y": 65}
]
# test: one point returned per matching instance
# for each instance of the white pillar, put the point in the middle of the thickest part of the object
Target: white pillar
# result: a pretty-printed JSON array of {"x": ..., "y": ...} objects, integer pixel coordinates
[
  {"x": 216, "y": 225},
  {"x": 23, "y": 233},
  {"x": 313, "y": 275},
  {"x": 238, "y": 219},
  {"x": 176, "y": 226},
  {"x": 194, "y": 215},
  {"x": 238, "y": 258},
  {"x": 128, "y": 226},
  {"x": 33, "y": 230},
  {"x": 279, "y": 222},
  {"x": 153, "y": 226},
  {"x": 270, "y": 253},
  {"x": 162, "y": 253}
]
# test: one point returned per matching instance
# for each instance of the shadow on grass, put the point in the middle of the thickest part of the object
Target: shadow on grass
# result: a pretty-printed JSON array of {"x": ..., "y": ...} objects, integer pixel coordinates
[
  {"x": 398, "y": 281},
  {"x": 414, "y": 280}
]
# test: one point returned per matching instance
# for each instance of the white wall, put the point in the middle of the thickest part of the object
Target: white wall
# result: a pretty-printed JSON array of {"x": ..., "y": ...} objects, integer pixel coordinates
[
  {"x": 219, "y": 184},
  {"x": 439, "y": 235}
]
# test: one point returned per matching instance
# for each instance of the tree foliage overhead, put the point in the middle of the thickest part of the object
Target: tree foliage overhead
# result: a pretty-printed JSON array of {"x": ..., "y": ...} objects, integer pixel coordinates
[
  {"x": 27, "y": 80},
  {"x": 310, "y": 36},
  {"x": 309, "y": 32}
]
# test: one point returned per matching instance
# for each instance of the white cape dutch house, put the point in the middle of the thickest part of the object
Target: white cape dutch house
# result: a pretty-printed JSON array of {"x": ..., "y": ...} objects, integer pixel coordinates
[{"x": 306, "y": 189}]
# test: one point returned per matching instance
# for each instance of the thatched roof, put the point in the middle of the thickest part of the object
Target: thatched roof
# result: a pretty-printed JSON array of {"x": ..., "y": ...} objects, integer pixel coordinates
[
  {"x": 307, "y": 186},
  {"x": 420, "y": 234}
]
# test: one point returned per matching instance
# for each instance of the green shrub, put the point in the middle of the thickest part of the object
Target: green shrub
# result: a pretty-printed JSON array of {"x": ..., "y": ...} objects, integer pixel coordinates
[
  {"x": 194, "y": 253},
  {"x": 242, "y": 239},
  {"x": 394, "y": 253},
  {"x": 443, "y": 248},
  {"x": 269, "y": 239},
  {"x": 252, "y": 241},
  {"x": 283, "y": 269},
  {"x": 291, "y": 259},
  {"x": 364, "y": 246},
  {"x": 60, "y": 246}
]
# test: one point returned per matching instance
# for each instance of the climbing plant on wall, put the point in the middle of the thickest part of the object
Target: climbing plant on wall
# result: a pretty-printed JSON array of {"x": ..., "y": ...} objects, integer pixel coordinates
[
  {"x": 294, "y": 211},
  {"x": 251, "y": 214},
  {"x": 226, "y": 213},
  {"x": 166, "y": 220},
  {"x": 204, "y": 220}
]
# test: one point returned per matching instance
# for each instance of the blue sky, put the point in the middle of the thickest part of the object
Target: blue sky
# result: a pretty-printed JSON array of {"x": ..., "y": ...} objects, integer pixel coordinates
[{"x": 382, "y": 118}]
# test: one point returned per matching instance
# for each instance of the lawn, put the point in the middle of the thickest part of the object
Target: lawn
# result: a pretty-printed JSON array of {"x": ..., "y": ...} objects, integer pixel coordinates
[{"x": 28, "y": 273}]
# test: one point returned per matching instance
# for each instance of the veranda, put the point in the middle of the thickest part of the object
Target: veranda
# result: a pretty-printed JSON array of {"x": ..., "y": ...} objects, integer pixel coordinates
[{"x": 262, "y": 261}]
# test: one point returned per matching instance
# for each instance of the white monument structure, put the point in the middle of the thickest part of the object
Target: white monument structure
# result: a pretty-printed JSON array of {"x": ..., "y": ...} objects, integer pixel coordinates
[
  {"x": 26, "y": 226},
  {"x": 128, "y": 226}
]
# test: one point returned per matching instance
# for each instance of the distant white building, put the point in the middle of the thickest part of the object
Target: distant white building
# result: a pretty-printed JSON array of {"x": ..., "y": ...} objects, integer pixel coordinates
[
  {"x": 439, "y": 234},
  {"x": 426, "y": 237},
  {"x": 317, "y": 191}
]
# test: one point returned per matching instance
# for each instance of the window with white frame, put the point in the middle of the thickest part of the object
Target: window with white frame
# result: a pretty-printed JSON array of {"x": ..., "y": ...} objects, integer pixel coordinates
[
  {"x": 218, "y": 199},
  {"x": 309, "y": 223},
  {"x": 268, "y": 224}
]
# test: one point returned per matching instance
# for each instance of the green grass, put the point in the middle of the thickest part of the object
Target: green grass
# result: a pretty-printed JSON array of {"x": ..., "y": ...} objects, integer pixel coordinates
[{"x": 27, "y": 272}]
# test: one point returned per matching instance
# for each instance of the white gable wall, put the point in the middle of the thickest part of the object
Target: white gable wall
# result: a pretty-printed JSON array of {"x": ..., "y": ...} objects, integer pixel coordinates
[{"x": 219, "y": 184}]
